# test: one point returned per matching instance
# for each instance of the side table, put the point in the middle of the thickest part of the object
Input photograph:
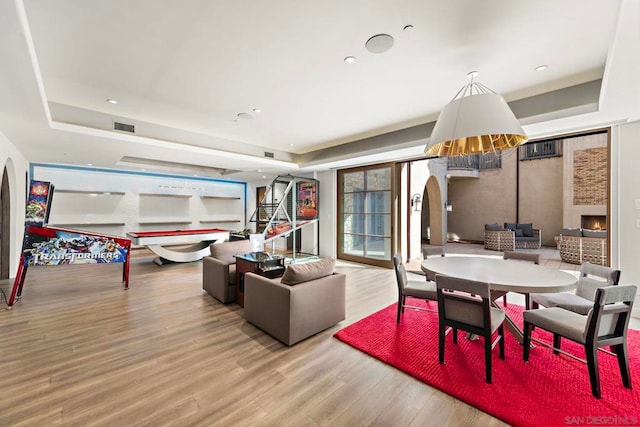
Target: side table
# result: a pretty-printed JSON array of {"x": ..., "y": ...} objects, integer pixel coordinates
[{"x": 261, "y": 263}]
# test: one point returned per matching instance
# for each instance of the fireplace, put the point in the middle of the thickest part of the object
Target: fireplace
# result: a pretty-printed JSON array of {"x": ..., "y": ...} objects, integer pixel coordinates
[{"x": 594, "y": 222}]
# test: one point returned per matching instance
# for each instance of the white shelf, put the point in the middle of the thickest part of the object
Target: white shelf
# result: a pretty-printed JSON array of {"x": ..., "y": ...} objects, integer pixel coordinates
[
  {"x": 164, "y": 221},
  {"x": 211, "y": 221},
  {"x": 90, "y": 192},
  {"x": 184, "y": 196},
  {"x": 221, "y": 197}
]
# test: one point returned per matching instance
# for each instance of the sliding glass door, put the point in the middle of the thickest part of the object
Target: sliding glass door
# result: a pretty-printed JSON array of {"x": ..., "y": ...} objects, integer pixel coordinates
[{"x": 365, "y": 209}]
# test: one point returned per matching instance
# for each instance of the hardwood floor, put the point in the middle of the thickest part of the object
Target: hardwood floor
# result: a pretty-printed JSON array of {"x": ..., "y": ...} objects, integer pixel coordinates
[{"x": 79, "y": 350}]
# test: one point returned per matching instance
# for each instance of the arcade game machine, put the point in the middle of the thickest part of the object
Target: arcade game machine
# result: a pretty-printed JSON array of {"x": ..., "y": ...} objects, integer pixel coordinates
[{"x": 52, "y": 246}]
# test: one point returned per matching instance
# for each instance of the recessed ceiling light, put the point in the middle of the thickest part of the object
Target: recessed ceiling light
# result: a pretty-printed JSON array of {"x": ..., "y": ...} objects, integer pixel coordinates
[
  {"x": 259, "y": 170},
  {"x": 263, "y": 176},
  {"x": 112, "y": 101},
  {"x": 407, "y": 27},
  {"x": 350, "y": 59},
  {"x": 245, "y": 116},
  {"x": 290, "y": 145},
  {"x": 257, "y": 110},
  {"x": 89, "y": 164},
  {"x": 541, "y": 67}
]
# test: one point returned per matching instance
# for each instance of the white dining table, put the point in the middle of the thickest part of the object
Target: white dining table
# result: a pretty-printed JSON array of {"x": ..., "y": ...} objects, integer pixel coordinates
[{"x": 503, "y": 276}]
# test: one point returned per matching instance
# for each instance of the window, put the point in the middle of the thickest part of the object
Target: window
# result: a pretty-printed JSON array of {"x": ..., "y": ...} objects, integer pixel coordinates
[{"x": 365, "y": 214}]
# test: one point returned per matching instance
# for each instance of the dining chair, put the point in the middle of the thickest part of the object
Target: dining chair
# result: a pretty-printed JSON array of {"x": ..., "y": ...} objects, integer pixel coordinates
[
  {"x": 466, "y": 305},
  {"x": 605, "y": 325},
  {"x": 424, "y": 290},
  {"x": 592, "y": 277},
  {"x": 428, "y": 251},
  {"x": 521, "y": 256}
]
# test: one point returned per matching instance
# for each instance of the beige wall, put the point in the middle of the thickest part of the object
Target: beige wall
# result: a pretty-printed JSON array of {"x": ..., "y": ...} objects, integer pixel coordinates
[
  {"x": 478, "y": 201},
  {"x": 541, "y": 196}
]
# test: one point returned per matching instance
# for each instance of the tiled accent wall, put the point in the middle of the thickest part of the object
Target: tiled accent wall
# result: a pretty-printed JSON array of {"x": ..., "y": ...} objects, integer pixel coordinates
[{"x": 590, "y": 176}]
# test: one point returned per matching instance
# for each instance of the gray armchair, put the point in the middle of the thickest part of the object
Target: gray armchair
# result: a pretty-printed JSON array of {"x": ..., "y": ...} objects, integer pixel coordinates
[
  {"x": 219, "y": 269},
  {"x": 605, "y": 325},
  {"x": 309, "y": 298}
]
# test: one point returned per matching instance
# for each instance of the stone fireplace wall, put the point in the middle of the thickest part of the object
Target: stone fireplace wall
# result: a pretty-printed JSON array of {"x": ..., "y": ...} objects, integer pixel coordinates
[{"x": 586, "y": 178}]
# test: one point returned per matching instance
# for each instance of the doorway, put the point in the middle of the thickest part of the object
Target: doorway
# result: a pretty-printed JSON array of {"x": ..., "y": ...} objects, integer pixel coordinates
[
  {"x": 432, "y": 213},
  {"x": 5, "y": 225}
]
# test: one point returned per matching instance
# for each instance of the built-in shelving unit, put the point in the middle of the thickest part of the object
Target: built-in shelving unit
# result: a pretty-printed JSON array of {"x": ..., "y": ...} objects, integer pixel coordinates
[{"x": 117, "y": 202}]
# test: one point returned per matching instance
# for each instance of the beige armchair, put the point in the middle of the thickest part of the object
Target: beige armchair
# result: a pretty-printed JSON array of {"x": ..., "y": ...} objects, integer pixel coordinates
[
  {"x": 219, "y": 269},
  {"x": 309, "y": 298}
]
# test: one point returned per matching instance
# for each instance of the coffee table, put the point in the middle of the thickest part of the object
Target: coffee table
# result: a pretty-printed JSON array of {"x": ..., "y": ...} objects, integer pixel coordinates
[{"x": 503, "y": 276}]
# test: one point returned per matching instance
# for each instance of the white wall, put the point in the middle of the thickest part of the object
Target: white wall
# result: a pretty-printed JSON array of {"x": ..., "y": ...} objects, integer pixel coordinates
[
  {"x": 328, "y": 213},
  {"x": 17, "y": 167},
  {"x": 421, "y": 171},
  {"x": 626, "y": 148}
]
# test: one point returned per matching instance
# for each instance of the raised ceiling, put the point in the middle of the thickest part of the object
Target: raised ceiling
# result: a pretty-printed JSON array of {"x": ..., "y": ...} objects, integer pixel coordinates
[{"x": 183, "y": 71}]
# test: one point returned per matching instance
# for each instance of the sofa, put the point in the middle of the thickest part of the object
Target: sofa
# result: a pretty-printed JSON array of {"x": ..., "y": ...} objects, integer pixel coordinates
[
  {"x": 577, "y": 245},
  {"x": 219, "y": 269},
  {"x": 307, "y": 299},
  {"x": 511, "y": 236}
]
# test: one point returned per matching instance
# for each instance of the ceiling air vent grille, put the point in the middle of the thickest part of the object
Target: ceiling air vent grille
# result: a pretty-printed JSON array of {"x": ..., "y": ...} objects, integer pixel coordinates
[
  {"x": 268, "y": 155},
  {"x": 124, "y": 127}
]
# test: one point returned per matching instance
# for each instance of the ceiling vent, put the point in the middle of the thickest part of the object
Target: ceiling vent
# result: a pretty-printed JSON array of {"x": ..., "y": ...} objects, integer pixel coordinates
[
  {"x": 124, "y": 127},
  {"x": 268, "y": 155}
]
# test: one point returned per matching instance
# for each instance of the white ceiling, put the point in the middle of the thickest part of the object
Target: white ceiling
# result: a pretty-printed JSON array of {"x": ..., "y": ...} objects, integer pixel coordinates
[{"x": 182, "y": 71}]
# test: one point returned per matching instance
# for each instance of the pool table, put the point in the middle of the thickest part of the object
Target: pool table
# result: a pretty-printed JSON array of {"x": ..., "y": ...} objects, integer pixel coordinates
[{"x": 198, "y": 241}]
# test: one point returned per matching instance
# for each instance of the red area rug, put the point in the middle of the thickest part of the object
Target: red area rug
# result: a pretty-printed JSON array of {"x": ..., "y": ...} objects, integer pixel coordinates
[{"x": 548, "y": 390}]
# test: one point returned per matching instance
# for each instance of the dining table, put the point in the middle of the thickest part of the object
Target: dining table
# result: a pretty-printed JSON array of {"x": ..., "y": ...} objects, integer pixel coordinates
[{"x": 503, "y": 276}]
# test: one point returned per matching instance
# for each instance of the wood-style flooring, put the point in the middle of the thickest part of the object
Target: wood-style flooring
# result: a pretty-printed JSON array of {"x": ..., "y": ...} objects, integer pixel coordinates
[{"x": 80, "y": 350}]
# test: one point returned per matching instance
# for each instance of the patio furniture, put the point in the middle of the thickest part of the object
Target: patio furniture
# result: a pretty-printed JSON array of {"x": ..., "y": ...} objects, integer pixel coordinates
[
  {"x": 511, "y": 236},
  {"x": 581, "y": 245}
]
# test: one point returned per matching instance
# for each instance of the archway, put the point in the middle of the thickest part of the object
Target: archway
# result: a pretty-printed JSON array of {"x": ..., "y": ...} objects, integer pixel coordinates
[
  {"x": 5, "y": 225},
  {"x": 432, "y": 212}
]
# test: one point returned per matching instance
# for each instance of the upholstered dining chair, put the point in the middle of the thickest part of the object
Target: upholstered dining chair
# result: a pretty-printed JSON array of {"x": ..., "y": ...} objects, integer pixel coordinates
[
  {"x": 459, "y": 309},
  {"x": 428, "y": 251},
  {"x": 605, "y": 325},
  {"x": 411, "y": 288},
  {"x": 592, "y": 277},
  {"x": 521, "y": 256}
]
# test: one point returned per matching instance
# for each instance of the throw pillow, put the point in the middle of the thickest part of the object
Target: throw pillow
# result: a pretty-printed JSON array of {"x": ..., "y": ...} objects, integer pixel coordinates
[
  {"x": 527, "y": 229},
  {"x": 594, "y": 233},
  {"x": 510, "y": 225},
  {"x": 519, "y": 232},
  {"x": 493, "y": 227},
  {"x": 571, "y": 232},
  {"x": 298, "y": 273}
]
